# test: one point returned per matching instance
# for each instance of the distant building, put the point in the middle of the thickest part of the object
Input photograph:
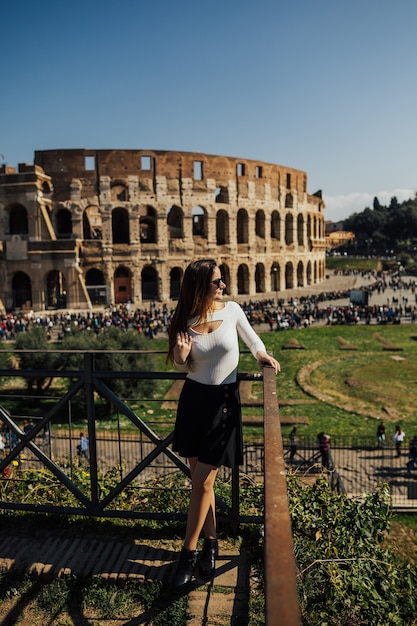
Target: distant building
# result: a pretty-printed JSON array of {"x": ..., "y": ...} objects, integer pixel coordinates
[{"x": 91, "y": 228}]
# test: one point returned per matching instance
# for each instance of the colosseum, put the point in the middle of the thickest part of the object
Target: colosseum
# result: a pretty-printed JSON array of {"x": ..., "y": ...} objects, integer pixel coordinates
[{"x": 92, "y": 228}]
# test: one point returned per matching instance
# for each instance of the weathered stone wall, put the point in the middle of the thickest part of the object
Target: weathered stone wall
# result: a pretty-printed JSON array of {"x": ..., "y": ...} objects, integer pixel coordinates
[{"x": 127, "y": 222}]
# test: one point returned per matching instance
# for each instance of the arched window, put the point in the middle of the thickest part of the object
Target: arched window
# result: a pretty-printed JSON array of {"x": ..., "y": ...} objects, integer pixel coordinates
[
  {"x": 225, "y": 272},
  {"x": 120, "y": 226},
  {"x": 46, "y": 188},
  {"x": 300, "y": 230},
  {"x": 96, "y": 287},
  {"x": 92, "y": 223},
  {"x": 94, "y": 277},
  {"x": 199, "y": 222},
  {"x": 63, "y": 224},
  {"x": 309, "y": 278},
  {"x": 221, "y": 195},
  {"x": 289, "y": 276},
  {"x": 260, "y": 278},
  {"x": 119, "y": 192},
  {"x": 289, "y": 230},
  {"x": 147, "y": 224},
  {"x": 175, "y": 222},
  {"x": 275, "y": 226},
  {"x": 289, "y": 202},
  {"x": 175, "y": 277},
  {"x": 309, "y": 227},
  {"x": 150, "y": 287},
  {"x": 275, "y": 278},
  {"x": 242, "y": 226},
  {"x": 56, "y": 290},
  {"x": 300, "y": 274},
  {"x": 222, "y": 228},
  {"x": 243, "y": 279},
  {"x": 260, "y": 224},
  {"x": 18, "y": 220},
  {"x": 21, "y": 290}
]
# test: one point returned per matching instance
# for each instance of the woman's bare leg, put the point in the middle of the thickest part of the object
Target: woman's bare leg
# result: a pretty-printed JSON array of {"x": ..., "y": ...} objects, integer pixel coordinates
[{"x": 201, "y": 512}]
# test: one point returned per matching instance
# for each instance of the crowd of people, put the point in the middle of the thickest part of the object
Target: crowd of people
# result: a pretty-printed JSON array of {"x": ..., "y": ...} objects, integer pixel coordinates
[{"x": 295, "y": 312}]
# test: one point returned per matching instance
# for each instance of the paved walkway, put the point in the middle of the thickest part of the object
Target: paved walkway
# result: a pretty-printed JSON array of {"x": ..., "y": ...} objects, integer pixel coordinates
[{"x": 46, "y": 556}]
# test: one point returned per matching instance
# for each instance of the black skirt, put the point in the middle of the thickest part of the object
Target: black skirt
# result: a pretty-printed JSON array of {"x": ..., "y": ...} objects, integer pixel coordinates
[{"x": 209, "y": 424}]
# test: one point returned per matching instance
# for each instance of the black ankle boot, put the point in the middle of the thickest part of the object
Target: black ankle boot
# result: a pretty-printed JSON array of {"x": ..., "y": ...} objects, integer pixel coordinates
[
  {"x": 206, "y": 562},
  {"x": 184, "y": 569}
]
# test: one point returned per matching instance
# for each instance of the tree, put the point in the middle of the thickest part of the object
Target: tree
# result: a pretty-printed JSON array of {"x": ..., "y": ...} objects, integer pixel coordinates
[
  {"x": 377, "y": 206},
  {"x": 35, "y": 339},
  {"x": 114, "y": 350}
]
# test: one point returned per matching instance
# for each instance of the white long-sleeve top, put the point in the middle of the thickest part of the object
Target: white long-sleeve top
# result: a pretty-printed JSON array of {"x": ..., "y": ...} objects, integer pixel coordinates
[{"x": 215, "y": 355}]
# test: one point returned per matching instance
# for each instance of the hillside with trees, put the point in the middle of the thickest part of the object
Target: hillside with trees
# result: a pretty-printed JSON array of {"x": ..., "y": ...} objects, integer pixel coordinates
[{"x": 385, "y": 230}]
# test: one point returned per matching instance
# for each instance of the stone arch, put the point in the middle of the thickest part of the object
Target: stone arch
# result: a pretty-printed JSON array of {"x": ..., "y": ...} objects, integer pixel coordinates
[
  {"x": 289, "y": 275},
  {"x": 93, "y": 277},
  {"x": 56, "y": 290},
  {"x": 148, "y": 224},
  {"x": 21, "y": 290},
  {"x": 289, "y": 201},
  {"x": 120, "y": 226},
  {"x": 242, "y": 226},
  {"x": 63, "y": 223},
  {"x": 150, "y": 283},
  {"x": 243, "y": 279},
  {"x": 18, "y": 219},
  {"x": 300, "y": 229},
  {"x": 275, "y": 277},
  {"x": 308, "y": 273},
  {"x": 222, "y": 228},
  {"x": 92, "y": 223},
  {"x": 122, "y": 285},
  {"x": 175, "y": 222},
  {"x": 259, "y": 278},
  {"x": 175, "y": 277},
  {"x": 119, "y": 191},
  {"x": 225, "y": 272},
  {"x": 260, "y": 223},
  {"x": 199, "y": 222},
  {"x": 46, "y": 188},
  {"x": 221, "y": 195},
  {"x": 300, "y": 274},
  {"x": 96, "y": 286},
  {"x": 289, "y": 229},
  {"x": 275, "y": 225}
]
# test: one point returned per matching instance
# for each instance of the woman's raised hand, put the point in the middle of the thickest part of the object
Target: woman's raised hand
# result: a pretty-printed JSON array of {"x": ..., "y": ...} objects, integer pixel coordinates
[{"x": 182, "y": 347}]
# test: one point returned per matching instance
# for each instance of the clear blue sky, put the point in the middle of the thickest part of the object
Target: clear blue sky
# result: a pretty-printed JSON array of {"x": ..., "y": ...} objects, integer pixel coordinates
[{"x": 326, "y": 86}]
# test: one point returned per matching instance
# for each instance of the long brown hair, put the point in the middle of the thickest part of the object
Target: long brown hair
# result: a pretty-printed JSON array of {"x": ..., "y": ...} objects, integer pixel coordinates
[{"x": 193, "y": 300}]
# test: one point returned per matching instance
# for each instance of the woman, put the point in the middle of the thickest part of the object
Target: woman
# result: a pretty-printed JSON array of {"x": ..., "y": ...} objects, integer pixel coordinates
[
  {"x": 398, "y": 438},
  {"x": 203, "y": 341}
]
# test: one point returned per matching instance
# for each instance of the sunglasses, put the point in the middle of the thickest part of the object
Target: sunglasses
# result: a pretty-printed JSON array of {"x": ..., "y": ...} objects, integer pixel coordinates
[{"x": 217, "y": 282}]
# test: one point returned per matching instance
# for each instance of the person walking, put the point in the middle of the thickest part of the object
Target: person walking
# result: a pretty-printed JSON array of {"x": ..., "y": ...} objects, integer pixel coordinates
[
  {"x": 380, "y": 434},
  {"x": 82, "y": 448},
  {"x": 293, "y": 443},
  {"x": 412, "y": 453},
  {"x": 398, "y": 437},
  {"x": 203, "y": 341},
  {"x": 323, "y": 441}
]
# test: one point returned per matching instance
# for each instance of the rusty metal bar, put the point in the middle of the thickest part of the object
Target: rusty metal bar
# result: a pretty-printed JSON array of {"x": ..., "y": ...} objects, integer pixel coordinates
[{"x": 281, "y": 598}]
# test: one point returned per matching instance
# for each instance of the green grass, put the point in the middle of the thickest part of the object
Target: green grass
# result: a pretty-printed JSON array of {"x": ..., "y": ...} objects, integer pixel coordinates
[
  {"x": 347, "y": 391},
  {"x": 349, "y": 263},
  {"x": 360, "y": 387}
]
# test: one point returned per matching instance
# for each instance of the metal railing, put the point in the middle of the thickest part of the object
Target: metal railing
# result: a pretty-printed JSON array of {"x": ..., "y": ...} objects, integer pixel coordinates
[
  {"x": 359, "y": 465},
  {"x": 42, "y": 445}
]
